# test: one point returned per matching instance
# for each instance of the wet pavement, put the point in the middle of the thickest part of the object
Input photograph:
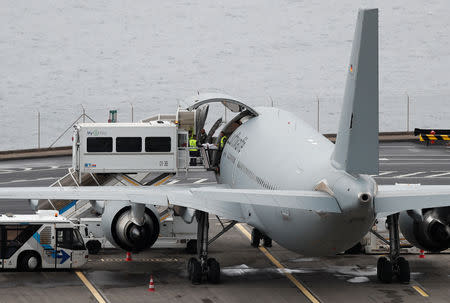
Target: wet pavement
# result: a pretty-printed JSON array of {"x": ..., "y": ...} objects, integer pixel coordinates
[{"x": 248, "y": 275}]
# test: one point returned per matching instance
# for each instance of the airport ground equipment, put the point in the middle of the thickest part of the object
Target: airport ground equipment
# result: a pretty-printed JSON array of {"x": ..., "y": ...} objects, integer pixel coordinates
[
  {"x": 40, "y": 241},
  {"x": 431, "y": 135}
]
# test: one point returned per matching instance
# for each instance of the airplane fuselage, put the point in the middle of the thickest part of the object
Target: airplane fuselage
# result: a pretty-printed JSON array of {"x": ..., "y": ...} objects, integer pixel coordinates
[{"x": 277, "y": 150}]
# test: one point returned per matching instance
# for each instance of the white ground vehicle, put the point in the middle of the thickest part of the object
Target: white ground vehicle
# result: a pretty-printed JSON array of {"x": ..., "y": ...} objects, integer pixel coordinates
[{"x": 43, "y": 240}]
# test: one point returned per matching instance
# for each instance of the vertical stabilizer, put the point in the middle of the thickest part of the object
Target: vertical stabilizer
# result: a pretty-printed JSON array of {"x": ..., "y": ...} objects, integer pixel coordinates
[{"x": 356, "y": 149}]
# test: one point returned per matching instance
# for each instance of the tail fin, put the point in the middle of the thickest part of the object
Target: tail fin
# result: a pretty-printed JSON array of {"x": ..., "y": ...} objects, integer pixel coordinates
[{"x": 356, "y": 149}]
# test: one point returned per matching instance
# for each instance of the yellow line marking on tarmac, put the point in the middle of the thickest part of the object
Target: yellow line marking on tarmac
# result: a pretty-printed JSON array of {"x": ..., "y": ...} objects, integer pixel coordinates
[
  {"x": 91, "y": 287},
  {"x": 299, "y": 285},
  {"x": 420, "y": 291}
]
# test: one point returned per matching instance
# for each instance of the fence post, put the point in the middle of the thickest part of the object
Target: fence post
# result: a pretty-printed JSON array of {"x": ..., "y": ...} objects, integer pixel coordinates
[
  {"x": 132, "y": 112},
  {"x": 318, "y": 114},
  {"x": 407, "y": 112},
  {"x": 39, "y": 128}
]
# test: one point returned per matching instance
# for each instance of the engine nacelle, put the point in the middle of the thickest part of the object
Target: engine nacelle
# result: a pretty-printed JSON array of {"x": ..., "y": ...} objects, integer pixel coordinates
[
  {"x": 432, "y": 233},
  {"x": 120, "y": 230}
]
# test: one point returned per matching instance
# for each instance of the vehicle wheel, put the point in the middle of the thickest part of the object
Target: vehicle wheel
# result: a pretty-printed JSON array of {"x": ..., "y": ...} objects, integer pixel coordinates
[
  {"x": 355, "y": 249},
  {"x": 195, "y": 272},
  {"x": 267, "y": 242},
  {"x": 256, "y": 237},
  {"x": 213, "y": 271},
  {"x": 29, "y": 261},
  {"x": 403, "y": 270},
  {"x": 386, "y": 272},
  {"x": 93, "y": 246},
  {"x": 191, "y": 247}
]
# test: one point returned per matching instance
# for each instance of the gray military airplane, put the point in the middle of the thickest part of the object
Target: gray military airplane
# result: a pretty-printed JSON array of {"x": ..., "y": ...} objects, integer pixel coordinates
[{"x": 289, "y": 182}]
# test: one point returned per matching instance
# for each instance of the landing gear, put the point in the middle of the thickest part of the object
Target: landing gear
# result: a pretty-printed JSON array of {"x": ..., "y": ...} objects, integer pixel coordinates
[
  {"x": 395, "y": 265},
  {"x": 203, "y": 266},
  {"x": 257, "y": 236}
]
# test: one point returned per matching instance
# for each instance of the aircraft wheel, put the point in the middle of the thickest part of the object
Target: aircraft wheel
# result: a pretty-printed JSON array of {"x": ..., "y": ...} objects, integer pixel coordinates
[
  {"x": 195, "y": 273},
  {"x": 256, "y": 237},
  {"x": 380, "y": 263},
  {"x": 403, "y": 270},
  {"x": 189, "y": 267},
  {"x": 267, "y": 242},
  {"x": 29, "y": 261},
  {"x": 93, "y": 246},
  {"x": 384, "y": 270},
  {"x": 191, "y": 247},
  {"x": 213, "y": 274}
]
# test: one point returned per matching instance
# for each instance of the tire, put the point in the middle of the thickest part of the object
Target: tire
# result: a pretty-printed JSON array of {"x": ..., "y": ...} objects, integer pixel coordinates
[
  {"x": 380, "y": 264},
  {"x": 29, "y": 261},
  {"x": 386, "y": 272},
  {"x": 191, "y": 247},
  {"x": 189, "y": 267},
  {"x": 355, "y": 249},
  {"x": 213, "y": 275},
  {"x": 267, "y": 242},
  {"x": 256, "y": 237},
  {"x": 403, "y": 270},
  {"x": 93, "y": 246},
  {"x": 196, "y": 272}
]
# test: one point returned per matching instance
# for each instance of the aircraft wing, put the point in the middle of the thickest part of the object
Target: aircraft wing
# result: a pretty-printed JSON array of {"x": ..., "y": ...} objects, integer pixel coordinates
[
  {"x": 392, "y": 199},
  {"x": 218, "y": 199}
]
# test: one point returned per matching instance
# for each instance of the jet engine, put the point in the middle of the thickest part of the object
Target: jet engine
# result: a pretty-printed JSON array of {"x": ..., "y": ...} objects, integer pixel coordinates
[
  {"x": 428, "y": 229},
  {"x": 121, "y": 230}
]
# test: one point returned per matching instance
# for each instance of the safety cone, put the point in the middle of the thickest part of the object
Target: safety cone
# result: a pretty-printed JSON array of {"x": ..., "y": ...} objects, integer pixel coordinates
[
  {"x": 151, "y": 285},
  {"x": 128, "y": 257},
  {"x": 422, "y": 254}
]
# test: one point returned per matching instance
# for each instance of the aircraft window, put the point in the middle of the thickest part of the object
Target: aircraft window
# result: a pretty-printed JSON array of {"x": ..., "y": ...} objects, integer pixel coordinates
[
  {"x": 16, "y": 236},
  {"x": 158, "y": 144},
  {"x": 99, "y": 144},
  {"x": 128, "y": 144}
]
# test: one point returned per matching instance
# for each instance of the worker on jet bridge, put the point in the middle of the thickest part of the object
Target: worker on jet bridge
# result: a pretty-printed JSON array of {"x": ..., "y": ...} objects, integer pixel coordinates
[
  {"x": 193, "y": 151},
  {"x": 223, "y": 140},
  {"x": 203, "y": 136}
]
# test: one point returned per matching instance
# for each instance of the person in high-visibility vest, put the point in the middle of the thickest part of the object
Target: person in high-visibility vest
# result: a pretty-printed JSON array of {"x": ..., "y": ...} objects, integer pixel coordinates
[
  {"x": 193, "y": 151},
  {"x": 223, "y": 140}
]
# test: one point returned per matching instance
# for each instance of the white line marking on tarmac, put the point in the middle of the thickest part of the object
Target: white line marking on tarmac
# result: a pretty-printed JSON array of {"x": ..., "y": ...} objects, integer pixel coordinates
[
  {"x": 4, "y": 171},
  {"x": 33, "y": 180},
  {"x": 200, "y": 181},
  {"x": 384, "y": 159},
  {"x": 386, "y": 173},
  {"x": 438, "y": 175},
  {"x": 410, "y": 174},
  {"x": 173, "y": 182}
]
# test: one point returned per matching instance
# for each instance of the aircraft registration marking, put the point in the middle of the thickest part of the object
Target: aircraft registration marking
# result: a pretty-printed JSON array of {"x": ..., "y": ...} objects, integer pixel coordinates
[{"x": 299, "y": 285}]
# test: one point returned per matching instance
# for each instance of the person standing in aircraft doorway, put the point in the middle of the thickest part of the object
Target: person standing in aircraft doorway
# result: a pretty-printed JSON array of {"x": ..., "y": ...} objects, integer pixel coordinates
[{"x": 223, "y": 140}]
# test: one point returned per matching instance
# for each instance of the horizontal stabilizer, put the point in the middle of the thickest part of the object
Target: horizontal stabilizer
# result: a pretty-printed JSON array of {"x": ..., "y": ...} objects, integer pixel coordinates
[{"x": 392, "y": 199}]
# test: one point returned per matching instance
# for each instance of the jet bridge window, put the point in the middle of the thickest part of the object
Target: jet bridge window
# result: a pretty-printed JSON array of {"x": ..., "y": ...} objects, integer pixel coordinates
[
  {"x": 158, "y": 144},
  {"x": 99, "y": 144},
  {"x": 129, "y": 144}
]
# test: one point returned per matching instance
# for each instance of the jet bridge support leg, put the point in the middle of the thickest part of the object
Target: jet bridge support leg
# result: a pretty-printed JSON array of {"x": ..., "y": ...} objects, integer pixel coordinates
[
  {"x": 396, "y": 265},
  {"x": 197, "y": 268}
]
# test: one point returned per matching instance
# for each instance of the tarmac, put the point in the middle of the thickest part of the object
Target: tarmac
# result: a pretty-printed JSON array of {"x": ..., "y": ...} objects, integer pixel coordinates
[{"x": 248, "y": 274}]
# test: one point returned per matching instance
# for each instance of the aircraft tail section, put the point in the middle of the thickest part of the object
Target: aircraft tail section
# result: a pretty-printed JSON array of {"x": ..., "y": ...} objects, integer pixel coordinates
[{"x": 356, "y": 149}]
